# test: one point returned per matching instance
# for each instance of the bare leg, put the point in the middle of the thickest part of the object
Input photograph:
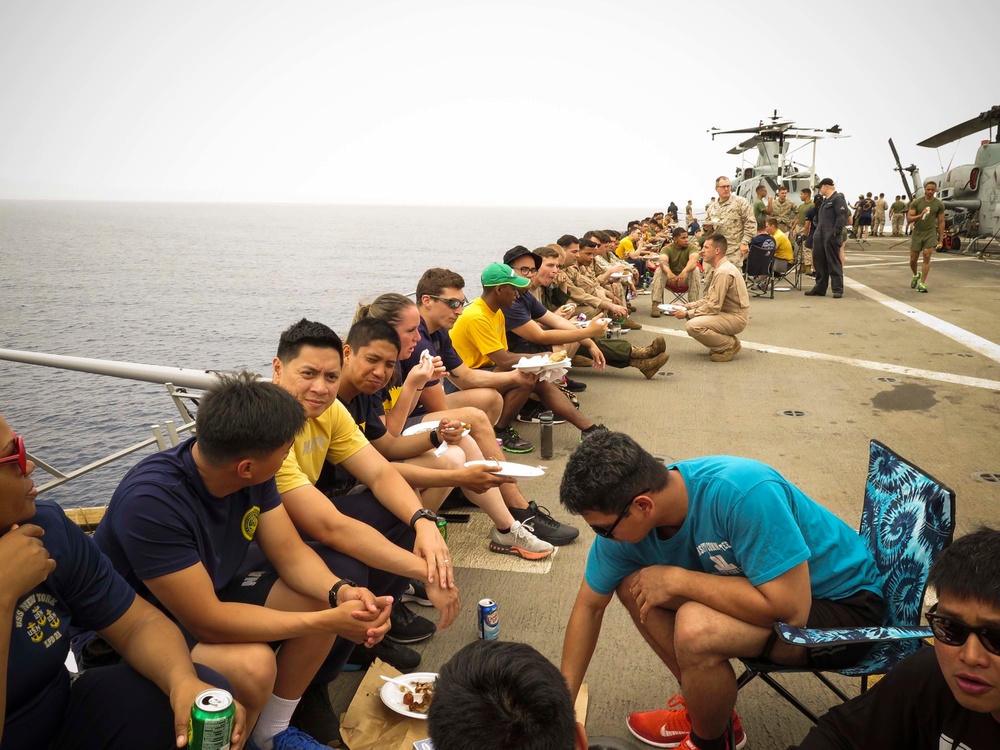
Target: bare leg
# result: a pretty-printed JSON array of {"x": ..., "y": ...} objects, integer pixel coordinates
[
  {"x": 556, "y": 400},
  {"x": 490, "y": 501},
  {"x": 250, "y": 667},
  {"x": 926, "y": 269},
  {"x": 300, "y": 658},
  {"x": 485, "y": 399}
]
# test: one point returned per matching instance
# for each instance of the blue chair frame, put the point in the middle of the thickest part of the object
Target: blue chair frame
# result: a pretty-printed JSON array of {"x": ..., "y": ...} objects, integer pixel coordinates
[{"x": 907, "y": 521}]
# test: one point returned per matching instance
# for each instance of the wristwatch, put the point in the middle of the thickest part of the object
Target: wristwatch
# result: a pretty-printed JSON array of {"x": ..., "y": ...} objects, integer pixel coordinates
[
  {"x": 423, "y": 513},
  {"x": 435, "y": 438},
  {"x": 336, "y": 589}
]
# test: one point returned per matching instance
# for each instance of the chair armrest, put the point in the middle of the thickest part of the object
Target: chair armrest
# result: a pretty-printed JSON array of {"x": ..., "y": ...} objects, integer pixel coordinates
[{"x": 817, "y": 637}]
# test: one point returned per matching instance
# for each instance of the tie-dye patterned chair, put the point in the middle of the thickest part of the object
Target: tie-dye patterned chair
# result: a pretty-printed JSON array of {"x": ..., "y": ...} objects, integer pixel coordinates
[{"x": 907, "y": 521}]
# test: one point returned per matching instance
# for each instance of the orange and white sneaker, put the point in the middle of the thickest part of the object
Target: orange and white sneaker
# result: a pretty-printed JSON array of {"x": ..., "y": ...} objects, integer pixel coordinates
[{"x": 671, "y": 727}]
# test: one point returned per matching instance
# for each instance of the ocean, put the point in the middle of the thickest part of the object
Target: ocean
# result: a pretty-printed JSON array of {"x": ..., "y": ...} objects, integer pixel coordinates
[{"x": 206, "y": 286}]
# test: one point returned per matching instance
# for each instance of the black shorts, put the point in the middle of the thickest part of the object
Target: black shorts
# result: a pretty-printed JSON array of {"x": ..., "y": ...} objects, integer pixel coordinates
[
  {"x": 529, "y": 347},
  {"x": 862, "y": 610},
  {"x": 253, "y": 582}
]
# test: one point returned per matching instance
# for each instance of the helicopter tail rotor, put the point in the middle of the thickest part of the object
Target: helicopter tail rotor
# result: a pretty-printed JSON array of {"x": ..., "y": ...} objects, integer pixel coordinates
[{"x": 900, "y": 168}]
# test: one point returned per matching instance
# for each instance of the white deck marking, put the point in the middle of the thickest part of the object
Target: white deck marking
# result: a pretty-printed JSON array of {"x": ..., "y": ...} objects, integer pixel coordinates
[
  {"x": 977, "y": 343},
  {"x": 900, "y": 262},
  {"x": 912, "y": 372}
]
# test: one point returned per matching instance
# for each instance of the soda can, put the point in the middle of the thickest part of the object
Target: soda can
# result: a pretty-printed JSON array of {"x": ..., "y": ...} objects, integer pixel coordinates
[
  {"x": 489, "y": 620},
  {"x": 442, "y": 524},
  {"x": 211, "y": 723}
]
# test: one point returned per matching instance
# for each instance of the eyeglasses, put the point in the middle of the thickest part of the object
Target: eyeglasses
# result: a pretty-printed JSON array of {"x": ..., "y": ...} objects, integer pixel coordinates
[
  {"x": 952, "y": 632},
  {"x": 724, "y": 187},
  {"x": 608, "y": 531},
  {"x": 526, "y": 270},
  {"x": 591, "y": 243},
  {"x": 20, "y": 457},
  {"x": 453, "y": 303}
]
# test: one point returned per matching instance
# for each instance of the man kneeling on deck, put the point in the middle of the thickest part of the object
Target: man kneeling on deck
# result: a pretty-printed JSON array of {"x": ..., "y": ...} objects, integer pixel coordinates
[
  {"x": 706, "y": 555},
  {"x": 724, "y": 311},
  {"x": 199, "y": 529}
]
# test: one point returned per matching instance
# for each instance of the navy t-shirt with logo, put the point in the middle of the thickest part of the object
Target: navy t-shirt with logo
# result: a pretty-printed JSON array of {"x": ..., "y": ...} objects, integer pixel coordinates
[
  {"x": 439, "y": 345},
  {"x": 525, "y": 308},
  {"x": 83, "y": 591},
  {"x": 162, "y": 519}
]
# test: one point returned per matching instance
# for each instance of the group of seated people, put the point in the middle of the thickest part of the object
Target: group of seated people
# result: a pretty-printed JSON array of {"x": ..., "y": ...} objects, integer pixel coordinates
[
  {"x": 302, "y": 515},
  {"x": 224, "y": 576}
]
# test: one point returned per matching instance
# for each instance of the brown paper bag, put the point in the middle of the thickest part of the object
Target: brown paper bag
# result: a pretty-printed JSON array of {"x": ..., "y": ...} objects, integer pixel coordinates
[{"x": 371, "y": 725}]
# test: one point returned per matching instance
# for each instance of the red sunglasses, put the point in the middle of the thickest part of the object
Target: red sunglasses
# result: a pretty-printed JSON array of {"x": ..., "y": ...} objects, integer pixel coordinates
[{"x": 20, "y": 457}]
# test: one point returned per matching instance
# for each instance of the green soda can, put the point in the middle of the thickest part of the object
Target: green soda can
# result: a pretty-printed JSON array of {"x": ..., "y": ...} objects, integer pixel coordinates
[
  {"x": 442, "y": 524},
  {"x": 212, "y": 717}
]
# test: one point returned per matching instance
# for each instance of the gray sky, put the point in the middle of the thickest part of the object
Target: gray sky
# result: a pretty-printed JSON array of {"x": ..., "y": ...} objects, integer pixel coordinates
[{"x": 479, "y": 103}]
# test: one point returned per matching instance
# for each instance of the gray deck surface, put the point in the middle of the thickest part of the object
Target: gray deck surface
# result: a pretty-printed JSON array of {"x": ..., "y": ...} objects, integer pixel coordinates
[{"x": 817, "y": 355}]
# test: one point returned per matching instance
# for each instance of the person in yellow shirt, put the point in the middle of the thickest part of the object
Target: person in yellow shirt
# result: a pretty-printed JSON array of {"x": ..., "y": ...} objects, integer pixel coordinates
[{"x": 784, "y": 256}]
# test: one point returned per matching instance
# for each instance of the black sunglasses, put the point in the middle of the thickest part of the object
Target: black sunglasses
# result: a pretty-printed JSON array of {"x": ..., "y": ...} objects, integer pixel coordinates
[
  {"x": 608, "y": 531},
  {"x": 19, "y": 457},
  {"x": 591, "y": 243},
  {"x": 952, "y": 632},
  {"x": 453, "y": 303}
]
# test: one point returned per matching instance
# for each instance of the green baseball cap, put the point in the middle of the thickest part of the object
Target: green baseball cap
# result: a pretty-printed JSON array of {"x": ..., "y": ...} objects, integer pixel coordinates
[{"x": 498, "y": 274}]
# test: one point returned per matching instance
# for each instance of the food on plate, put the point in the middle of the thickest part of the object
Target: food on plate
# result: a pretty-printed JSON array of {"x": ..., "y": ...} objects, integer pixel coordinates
[
  {"x": 557, "y": 356},
  {"x": 417, "y": 696}
]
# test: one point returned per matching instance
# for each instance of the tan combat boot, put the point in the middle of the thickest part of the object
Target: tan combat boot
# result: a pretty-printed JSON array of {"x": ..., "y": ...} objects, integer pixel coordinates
[
  {"x": 649, "y": 367},
  {"x": 658, "y": 346}
]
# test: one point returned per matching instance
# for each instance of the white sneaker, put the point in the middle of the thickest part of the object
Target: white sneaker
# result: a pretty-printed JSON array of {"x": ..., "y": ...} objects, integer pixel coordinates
[{"x": 519, "y": 541}]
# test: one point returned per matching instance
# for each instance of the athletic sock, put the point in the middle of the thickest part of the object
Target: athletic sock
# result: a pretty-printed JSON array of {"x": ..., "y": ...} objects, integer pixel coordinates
[
  {"x": 504, "y": 531},
  {"x": 273, "y": 720},
  {"x": 719, "y": 743}
]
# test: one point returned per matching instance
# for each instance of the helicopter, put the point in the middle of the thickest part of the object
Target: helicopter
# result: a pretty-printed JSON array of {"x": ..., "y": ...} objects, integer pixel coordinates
[
  {"x": 970, "y": 192},
  {"x": 774, "y": 167}
]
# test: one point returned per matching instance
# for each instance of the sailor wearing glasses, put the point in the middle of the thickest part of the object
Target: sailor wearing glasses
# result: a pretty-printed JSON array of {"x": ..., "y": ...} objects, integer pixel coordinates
[
  {"x": 948, "y": 696},
  {"x": 706, "y": 555}
]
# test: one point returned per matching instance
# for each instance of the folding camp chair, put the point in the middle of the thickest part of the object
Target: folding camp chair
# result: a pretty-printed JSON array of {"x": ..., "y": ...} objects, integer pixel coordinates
[
  {"x": 758, "y": 273},
  {"x": 679, "y": 292},
  {"x": 786, "y": 281},
  {"x": 907, "y": 520}
]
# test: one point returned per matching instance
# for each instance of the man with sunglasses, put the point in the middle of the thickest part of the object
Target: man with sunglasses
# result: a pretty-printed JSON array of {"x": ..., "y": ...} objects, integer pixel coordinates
[
  {"x": 733, "y": 217},
  {"x": 945, "y": 697},
  {"x": 706, "y": 555}
]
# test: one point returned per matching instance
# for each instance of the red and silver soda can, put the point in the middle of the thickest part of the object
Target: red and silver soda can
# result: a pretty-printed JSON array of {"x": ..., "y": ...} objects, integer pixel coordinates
[{"x": 489, "y": 620}]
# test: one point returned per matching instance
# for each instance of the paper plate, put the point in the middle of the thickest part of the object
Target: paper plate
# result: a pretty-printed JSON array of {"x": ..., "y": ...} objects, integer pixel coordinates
[
  {"x": 617, "y": 276},
  {"x": 509, "y": 469},
  {"x": 416, "y": 429},
  {"x": 671, "y": 308},
  {"x": 539, "y": 364},
  {"x": 392, "y": 696},
  {"x": 422, "y": 427}
]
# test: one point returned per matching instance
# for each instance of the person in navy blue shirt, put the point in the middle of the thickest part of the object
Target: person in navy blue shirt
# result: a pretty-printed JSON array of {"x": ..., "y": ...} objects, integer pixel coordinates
[{"x": 53, "y": 577}]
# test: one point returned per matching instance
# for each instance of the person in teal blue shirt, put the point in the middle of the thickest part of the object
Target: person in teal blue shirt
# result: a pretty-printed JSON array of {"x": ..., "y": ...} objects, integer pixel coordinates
[{"x": 706, "y": 555}]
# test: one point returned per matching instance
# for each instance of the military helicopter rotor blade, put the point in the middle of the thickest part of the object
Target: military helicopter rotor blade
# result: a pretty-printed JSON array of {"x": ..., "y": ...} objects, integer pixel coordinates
[
  {"x": 899, "y": 168},
  {"x": 982, "y": 121}
]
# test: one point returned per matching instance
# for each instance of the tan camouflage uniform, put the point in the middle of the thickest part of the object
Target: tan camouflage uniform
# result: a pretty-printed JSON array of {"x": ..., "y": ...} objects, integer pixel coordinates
[
  {"x": 734, "y": 220},
  {"x": 783, "y": 213},
  {"x": 878, "y": 224}
]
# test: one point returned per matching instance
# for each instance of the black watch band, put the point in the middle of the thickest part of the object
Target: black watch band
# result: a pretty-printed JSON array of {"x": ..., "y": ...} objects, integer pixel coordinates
[
  {"x": 422, "y": 513},
  {"x": 336, "y": 589},
  {"x": 435, "y": 438}
]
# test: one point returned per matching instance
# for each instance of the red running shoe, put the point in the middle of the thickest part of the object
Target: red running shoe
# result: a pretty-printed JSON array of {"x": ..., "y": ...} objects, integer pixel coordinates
[{"x": 671, "y": 727}]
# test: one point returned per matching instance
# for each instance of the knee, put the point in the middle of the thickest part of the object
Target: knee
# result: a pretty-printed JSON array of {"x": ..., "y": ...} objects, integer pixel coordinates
[
  {"x": 625, "y": 596},
  {"x": 692, "y": 631},
  {"x": 253, "y": 681}
]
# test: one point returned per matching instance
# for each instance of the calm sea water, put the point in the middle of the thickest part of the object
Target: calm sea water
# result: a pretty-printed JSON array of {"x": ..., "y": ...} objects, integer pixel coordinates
[{"x": 206, "y": 286}]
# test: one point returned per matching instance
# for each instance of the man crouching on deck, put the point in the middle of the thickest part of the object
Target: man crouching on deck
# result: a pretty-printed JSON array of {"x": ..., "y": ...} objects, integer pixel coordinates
[{"x": 706, "y": 555}]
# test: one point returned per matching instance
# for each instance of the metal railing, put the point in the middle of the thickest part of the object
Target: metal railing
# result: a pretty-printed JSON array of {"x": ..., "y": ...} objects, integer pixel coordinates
[{"x": 176, "y": 380}]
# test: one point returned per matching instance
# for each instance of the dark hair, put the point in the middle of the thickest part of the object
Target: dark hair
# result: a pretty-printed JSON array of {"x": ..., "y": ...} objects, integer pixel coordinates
[
  {"x": 678, "y": 231},
  {"x": 367, "y": 330},
  {"x": 436, "y": 280},
  {"x": 566, "y": 240},
  {"x": 807, "y": 191},
  {"x": 601, "y": 476},
  {"x": 718, "y": 241},
  {"x": 307, "y": 333},
  {"x": 243, "y": 416},
  {"x": 495, "y": 695},
  {"x": 761, "y": 223},
  {"x": 388, "y": 307},
  {"x": 970, "y": 568},
  {"x": 548, "y": 252}
]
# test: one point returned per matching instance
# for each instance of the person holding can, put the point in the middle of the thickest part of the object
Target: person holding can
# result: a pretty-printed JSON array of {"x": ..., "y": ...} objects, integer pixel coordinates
[{"x": 52, "y": 577}]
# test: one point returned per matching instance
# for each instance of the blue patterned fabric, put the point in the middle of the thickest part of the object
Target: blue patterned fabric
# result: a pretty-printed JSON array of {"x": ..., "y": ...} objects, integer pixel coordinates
[{"x": 907, "y": 521}]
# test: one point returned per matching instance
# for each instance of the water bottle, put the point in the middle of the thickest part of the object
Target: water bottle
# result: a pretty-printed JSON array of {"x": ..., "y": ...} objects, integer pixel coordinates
[{"x": 546, "y": 418}]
